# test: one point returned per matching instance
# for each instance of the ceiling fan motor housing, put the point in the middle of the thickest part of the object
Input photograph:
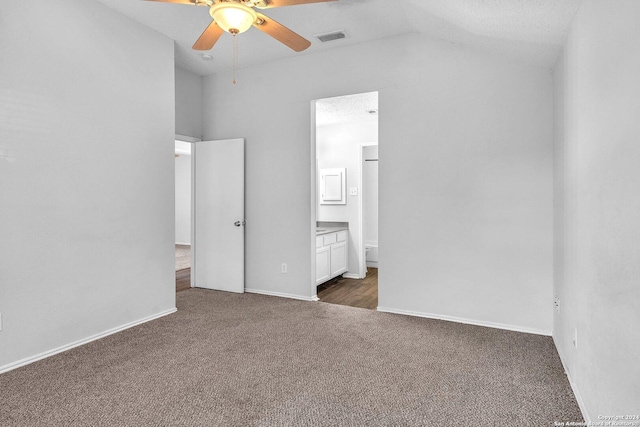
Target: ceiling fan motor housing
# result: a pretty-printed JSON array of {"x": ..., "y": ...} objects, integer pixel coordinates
[{"x": 233, "y": 17}]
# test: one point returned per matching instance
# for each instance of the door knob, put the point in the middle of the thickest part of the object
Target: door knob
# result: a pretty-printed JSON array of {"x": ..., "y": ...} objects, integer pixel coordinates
[{"x": 240, "y": 223}]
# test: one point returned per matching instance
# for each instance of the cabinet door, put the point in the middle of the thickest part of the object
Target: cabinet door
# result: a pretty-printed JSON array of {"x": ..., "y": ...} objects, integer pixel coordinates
[
  {"x": 323, "y": 264},
  {"x": 338, "y": 259},
  {"x": 333, "y": 186}
]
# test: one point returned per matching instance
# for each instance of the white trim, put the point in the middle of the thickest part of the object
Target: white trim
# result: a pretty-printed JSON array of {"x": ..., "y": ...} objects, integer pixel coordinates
[
  {"x": 467, "y": 321},
  {"x": 281, "y": 295},
  {"x": 573, "y": 385},
  {"x": 186, "y": 138},
  {"x": 351, "y": 276},
  {"x": 183, "y": 244},
  {"x": 44, "y": 355},
  {"x": 313, "y": 199}
]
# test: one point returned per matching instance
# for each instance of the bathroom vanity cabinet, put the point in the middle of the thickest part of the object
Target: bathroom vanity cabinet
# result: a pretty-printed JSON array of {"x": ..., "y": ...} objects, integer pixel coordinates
[{"x": 331, "y": 254}]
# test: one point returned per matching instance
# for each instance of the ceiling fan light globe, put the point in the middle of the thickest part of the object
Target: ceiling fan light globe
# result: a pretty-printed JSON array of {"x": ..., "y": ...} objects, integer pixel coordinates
[{"x": 233, "y": 18}]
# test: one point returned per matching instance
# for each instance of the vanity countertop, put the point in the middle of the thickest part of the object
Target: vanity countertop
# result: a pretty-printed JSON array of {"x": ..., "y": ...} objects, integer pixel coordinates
[{"x": 326, "y": 230}]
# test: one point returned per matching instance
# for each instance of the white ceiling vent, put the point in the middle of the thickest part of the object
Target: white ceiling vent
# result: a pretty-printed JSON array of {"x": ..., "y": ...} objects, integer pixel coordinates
[{"x": 334, "y": 35}]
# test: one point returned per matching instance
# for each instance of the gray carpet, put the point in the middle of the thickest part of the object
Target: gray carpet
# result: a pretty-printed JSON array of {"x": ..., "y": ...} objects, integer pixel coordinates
[
  {"x": 183, "y": 257},
  {"x": 250, "y": 360}
]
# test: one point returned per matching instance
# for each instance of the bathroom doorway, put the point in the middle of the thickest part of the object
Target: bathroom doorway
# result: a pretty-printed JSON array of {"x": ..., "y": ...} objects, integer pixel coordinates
[{"x": 345, "y": 146}]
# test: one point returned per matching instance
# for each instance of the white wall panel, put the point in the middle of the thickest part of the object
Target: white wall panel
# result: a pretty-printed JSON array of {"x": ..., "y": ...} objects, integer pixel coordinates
[
  {"x": 86, "y": 174},
  {"x": 465, "y": 185}
]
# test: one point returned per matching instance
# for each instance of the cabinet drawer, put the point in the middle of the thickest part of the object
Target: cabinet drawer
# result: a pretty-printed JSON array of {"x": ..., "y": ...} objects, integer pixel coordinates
[
  {"x": 329, "y": 238},
  {"x": 319, "y": 241},
  {"x": 341, "y": 236}
]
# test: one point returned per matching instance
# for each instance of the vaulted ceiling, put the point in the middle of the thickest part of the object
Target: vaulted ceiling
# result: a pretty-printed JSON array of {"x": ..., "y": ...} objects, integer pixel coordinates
[{"x": 531, "y": 31}]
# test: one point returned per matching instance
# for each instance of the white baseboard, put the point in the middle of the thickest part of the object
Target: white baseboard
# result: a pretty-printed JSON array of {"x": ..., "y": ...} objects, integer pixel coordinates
[
  {"x": 184, "y": 244},
  {"x": 281, "y": 295},
  {"x": 574, "y": 388},
  {"x": 372, "y": 264},
  {"x": 44, "y": 355},
  {"x": 466, "y": 321},
  {"x": 351, "y": 276}
]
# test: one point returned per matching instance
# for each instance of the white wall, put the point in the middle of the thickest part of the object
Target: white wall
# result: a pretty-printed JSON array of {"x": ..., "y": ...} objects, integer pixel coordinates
[
  {"x": 183, "y": 199},
  {"x": 597, "y": 268},
  {"x": 465, "y": 186},
  {"x": 188, "y": 94},
  {"x": 86, "y": 144},
  {"x": 338, "y": 146}
]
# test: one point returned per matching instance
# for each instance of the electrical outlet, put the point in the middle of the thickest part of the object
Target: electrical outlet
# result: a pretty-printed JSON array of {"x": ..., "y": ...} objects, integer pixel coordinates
[
  {"x": 283, "y": 268},
  {"x": 556, "y": 304},
  {"x": 575, "y": 337},
  {"x": 353, "y": 191}
]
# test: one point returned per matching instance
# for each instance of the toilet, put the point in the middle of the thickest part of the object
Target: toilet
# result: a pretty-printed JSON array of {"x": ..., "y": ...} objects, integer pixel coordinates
[{"x": 371, "y": 254}]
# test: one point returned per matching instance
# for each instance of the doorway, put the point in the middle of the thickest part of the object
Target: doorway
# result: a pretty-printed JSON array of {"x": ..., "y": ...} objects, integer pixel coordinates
[
  {"x": 183, "y": 220},
  {"x": 345, "y": 141}
]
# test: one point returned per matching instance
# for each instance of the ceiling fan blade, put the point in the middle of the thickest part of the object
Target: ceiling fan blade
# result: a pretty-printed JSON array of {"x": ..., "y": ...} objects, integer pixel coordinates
[
  {"x": 174, "y": 1},
  {"x": 209, "y": 37},
  {"x": 281, "y": 33},
  {"x": 281, "y": 3}
]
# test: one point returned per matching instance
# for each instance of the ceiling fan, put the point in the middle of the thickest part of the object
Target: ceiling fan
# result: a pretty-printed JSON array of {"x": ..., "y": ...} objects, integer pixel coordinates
[{"x": 237, "y": 16}]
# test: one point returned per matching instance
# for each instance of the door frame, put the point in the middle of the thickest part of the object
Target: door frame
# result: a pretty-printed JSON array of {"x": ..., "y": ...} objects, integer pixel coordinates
[{"x": 313, "y": 200}]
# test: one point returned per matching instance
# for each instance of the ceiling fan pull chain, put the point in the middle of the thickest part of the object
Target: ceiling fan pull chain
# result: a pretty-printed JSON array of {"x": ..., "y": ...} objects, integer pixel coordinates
[{"x": 235, "y": 56}]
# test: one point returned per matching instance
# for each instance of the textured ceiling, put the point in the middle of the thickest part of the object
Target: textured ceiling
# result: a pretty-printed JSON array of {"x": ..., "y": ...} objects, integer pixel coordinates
[
  {"x": 531, "y": 31},
  {"x": 347, "y": 109}
]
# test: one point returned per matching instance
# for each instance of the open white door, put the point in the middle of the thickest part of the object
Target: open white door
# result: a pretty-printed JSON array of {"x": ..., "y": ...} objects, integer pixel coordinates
[{"x": 218, "y": 246}]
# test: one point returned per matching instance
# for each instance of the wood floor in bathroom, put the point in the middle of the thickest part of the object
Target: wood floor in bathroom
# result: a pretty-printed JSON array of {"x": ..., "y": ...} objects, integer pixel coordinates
[{"x": 361, "y": 293}]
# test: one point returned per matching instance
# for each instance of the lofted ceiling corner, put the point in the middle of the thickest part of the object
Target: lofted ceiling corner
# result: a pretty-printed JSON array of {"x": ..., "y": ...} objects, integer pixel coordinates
[{"x": 531, "y": 31}]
